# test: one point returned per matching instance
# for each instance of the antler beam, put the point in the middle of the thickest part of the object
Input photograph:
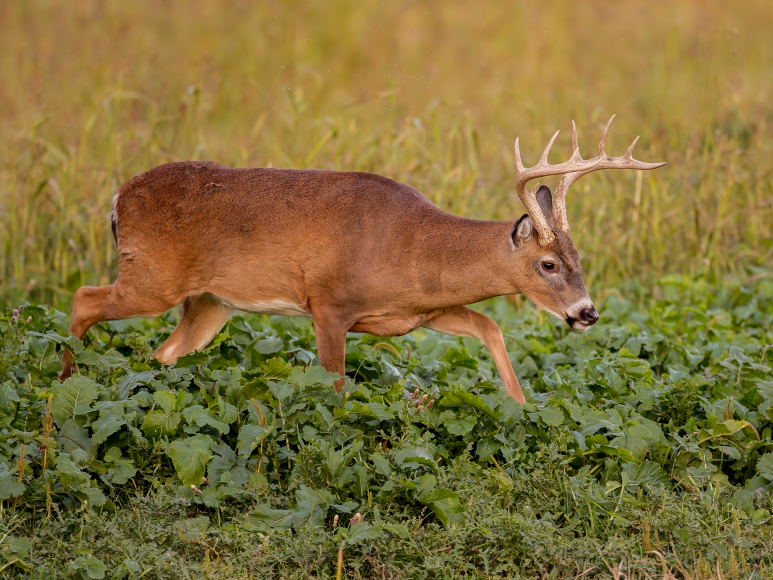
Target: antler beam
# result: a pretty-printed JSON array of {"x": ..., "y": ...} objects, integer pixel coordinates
[{"x": 572, "y": 170}]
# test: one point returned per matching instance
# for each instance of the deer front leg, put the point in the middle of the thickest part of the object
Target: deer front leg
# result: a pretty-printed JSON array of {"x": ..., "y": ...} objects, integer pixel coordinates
[
  {"x": 463, "y": 321},
  {"x": 331, "y": 345}
]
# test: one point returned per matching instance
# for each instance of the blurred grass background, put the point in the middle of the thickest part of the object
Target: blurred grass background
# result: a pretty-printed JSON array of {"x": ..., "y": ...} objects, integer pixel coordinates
[{"x": 427, "y": 92}]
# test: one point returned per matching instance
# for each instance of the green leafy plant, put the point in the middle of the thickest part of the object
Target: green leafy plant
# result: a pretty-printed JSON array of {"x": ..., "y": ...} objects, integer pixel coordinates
[{"x": 653, "y": 404}]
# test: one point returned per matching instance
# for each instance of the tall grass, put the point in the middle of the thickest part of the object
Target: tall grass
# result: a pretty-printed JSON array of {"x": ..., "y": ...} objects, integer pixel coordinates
[{"x": 427, "y": 92}]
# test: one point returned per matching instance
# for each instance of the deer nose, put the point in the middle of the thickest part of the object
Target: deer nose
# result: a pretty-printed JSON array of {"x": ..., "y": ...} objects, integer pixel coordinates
[{"x": 589, "y": 316}]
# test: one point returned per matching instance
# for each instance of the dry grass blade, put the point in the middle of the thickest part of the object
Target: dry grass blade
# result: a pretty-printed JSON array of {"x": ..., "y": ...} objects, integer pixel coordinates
[
  {"x": 617, "y": 571},
  {"x": 584, "y": 572},
  {"x": 667, "y": 574}
]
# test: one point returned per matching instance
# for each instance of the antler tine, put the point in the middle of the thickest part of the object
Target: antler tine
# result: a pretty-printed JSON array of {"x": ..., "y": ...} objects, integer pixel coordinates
[
  {"x": 603, "y": 140},
  {"x": 518, "y": 163},
  {"x": 601, "y": 161},
  {"x": 629, "y": 153},
  {"x": 575, "y": 146},
  {"x": 543, "y": 161},
  {"x": 575, "y": 159}
]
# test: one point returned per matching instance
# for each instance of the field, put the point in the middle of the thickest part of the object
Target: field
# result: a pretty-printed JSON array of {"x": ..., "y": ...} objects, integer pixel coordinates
[{"x": 645, "y": 445}]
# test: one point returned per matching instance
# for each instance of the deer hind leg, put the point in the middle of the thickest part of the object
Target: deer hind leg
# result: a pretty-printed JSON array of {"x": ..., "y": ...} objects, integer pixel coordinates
[
  {"x": 116, "y": 302},
  {"x": 462, "y": 321},
  {"x": 203, "y": 317}
]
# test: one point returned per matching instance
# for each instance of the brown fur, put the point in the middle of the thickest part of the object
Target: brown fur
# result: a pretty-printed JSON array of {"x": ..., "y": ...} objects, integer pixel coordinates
[{"x": 354, "y": 251}]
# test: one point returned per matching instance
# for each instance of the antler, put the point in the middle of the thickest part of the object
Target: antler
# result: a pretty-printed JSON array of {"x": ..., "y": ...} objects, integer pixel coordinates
[
  {"x": 573, "y": 169},
  {"x": 575, "y": 165},
  {"x": 601, "y": 161}
]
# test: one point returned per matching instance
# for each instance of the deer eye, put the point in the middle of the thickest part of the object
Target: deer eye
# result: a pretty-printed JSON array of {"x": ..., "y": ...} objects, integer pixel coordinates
[{"x": 551, "y": 267}]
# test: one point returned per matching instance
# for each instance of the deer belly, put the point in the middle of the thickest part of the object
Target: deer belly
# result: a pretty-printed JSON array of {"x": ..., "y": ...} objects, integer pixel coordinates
[
  {"x": 273, "y": 307},
  {"x": 389, "y": 326}
]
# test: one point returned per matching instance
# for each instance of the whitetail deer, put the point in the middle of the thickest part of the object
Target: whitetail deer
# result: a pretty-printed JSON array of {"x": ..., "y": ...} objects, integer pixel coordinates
[{"x": 355, "y": 252}]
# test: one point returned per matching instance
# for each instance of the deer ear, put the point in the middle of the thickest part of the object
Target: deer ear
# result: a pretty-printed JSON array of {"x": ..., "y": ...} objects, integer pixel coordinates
[
  {"x": 522, "y": 231},
  {"x": 545, "y": 201}
]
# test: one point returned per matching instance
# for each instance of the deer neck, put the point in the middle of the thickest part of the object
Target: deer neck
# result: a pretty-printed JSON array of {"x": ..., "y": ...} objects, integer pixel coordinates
[{"x": 471, "y": 261}]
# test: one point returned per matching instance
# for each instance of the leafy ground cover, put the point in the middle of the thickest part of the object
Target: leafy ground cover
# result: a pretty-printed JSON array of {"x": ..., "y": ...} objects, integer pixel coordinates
[{"x": 652, "y": 433}]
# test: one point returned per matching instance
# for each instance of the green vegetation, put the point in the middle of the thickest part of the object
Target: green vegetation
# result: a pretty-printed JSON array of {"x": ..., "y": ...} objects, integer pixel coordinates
[{"x": 651, "y": 432}]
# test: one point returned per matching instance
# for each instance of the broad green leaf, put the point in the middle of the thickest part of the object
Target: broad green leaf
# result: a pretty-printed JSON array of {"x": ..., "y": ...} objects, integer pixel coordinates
[
  {"x": 444, "y": 503},
  {"x": 95, "y": 568},
  {"x": 70, "y": 474},
  {"x": 510, "y": 409},
  {"x": 10, "y": 394},
  {"x": 13, "y": 550},
  {"x": 312, "y": 375},
  {"x": 282, "y": 390},
  {"x": 381, "y": 463},
  {"x": 94, "y": 496},
  {"x": 228, "y": 413},
  {"x": 362, "y": 532},
  {"x": 765, "y": 389},
  {"x": 73, "y": 436},
  {"x": 398, "y": 530},
  {"x": 646, "y": 472},
  {"x": 734, "y": 426},
  {"x": 487, "y": 447},
  {"x": 552, "y": 416},
  {"x": 275, "y": 369},
  {"x": 103, "y": 362},
  {"x": 376, "y": 410},
  {"x": 458, "y": 425},
  {"x": 190, "y": 457},
  {"x": 731, "y": 452},
  {"x": 311, "y": 507},
  {"x": 633, "y": 444},
  {"x": 16, "y": 546},
  {"x": 326, "y": 416},
  {"x": 426, "y": 484},
  {"x": 121, "y": 471},
  {"x": 104, "y": 427},
  {"x": 458, "y": 398},
  {"x": 75, "y": 345},
  {"x": 72, "y": 398},
  {"x": 250, "y": 436},
  {"x": 346, "y": 507},
  {"x": 765, "y": 466},
  {"x": 282, "y": 519},
  {"x": 269, "y": 345},
  {"x": 200, "y": 416},
  {"x": 258, "y": 481},
  {"x": 128, "y": 383},
  {"x": 414, "y": 457},
  {"x": 640, "y": 432},
  {"x": 195, "y": 358},
  {"x": 10, "y": 486},
  {"x": 166, "y": 400},
  {"x": 159, "y": 423}
]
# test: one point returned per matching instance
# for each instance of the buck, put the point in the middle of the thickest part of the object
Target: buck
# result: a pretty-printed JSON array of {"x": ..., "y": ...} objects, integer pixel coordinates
[{"x": 355, "y": 252}]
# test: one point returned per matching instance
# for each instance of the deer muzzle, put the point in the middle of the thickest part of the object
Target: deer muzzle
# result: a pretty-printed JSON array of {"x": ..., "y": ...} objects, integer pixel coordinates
[{"x": 582, "y": 316}]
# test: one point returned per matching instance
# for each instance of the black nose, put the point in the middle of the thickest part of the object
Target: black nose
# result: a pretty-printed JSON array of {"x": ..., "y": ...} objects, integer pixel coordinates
[{"x": 589, "y": 316}]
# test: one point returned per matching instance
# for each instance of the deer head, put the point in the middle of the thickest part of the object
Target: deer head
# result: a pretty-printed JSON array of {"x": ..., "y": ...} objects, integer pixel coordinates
[{"x": 550, "y": 263}]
